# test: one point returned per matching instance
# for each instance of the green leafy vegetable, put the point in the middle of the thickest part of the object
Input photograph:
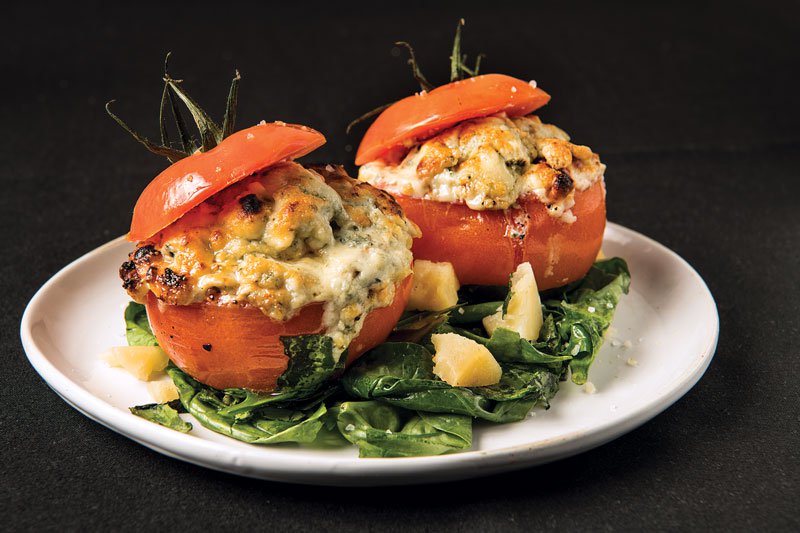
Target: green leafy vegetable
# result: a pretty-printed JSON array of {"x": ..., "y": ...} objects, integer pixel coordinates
[
  {"x": 311, "y": 364},
  {"x": 163, "y": 414},
  {"x": 470, "y": 314},
  {"x": 414, "y": 326},
  {"x": 587, "y": 311},
  {"x": 137, "y": 327},
  {"x": 265, "y": 425},
  {"x": 402, "y": 374},
  {"x": 509, "y": 347},
  {"x": 482, "y": 293},
  {"x": 381, "y": 430}
]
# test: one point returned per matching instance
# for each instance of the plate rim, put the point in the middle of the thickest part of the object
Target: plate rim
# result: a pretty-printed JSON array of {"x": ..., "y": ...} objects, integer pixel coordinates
[{"x": 312, "y": 469}]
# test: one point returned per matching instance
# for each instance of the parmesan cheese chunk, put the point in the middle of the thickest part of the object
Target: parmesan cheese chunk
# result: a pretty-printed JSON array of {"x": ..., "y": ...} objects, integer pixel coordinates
[
  {"x": 162, "y": 391},
  {"x": 140, "y": 361},
  {"x": 435, "y": 286},
  {"x": 524, "y": 314},
  {"x": 462, "y": 362}
]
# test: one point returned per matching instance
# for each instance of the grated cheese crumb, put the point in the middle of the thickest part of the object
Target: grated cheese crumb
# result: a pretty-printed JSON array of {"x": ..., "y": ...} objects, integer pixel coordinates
[
  {"x": 589, "y": 388},
  {"x": 591, "y": 309},
  {"x": 349, "y": 427},
  {"x": 632, "y": 362},
  {"x": 460, "y": 310}
]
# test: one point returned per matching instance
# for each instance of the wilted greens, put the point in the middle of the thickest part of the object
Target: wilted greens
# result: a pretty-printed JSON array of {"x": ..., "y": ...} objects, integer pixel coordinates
[{"x": 390, "y": 403}]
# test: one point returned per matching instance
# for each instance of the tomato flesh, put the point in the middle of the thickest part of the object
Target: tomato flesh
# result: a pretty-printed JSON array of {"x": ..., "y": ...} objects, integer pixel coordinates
[
  {"x": 192, "y": 180},
  {"x": 485, "y": 247},
  {"x": 240, "y": 347}
]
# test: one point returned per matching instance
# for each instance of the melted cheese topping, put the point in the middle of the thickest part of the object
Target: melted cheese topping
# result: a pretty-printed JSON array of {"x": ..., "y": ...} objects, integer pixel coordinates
[
  {"x": 490, "y": 162},
  {"x": 279, "y": 241}
]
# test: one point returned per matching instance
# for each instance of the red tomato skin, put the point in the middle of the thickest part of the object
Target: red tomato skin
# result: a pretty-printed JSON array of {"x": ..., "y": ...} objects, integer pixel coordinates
[
  {"x": 484, "y": 250},
  {"x": 192, "y": 180},
  {"x": 240, "y": 347},
  {"x": 423, "y": 115}
]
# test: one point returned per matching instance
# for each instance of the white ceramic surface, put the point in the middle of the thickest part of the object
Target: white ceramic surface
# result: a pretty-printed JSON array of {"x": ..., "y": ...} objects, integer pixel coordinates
[{"x": 669, "y": 321}]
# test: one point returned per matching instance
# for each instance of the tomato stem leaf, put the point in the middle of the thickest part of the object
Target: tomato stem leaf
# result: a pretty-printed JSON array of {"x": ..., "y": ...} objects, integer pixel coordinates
[
  {"x": 424, "y": 84},
  {"x": 456, "y": 64},
  {"x": 187, "y": 142},
  {"x": 170, "y": 153},
  {"x": 230, "y": 108},
  {"x": 210, "y": 132},
  {"x": 458, "y": 68},
  {"x": 162, "y": 122},
  {"x": 366, "y": 116}
]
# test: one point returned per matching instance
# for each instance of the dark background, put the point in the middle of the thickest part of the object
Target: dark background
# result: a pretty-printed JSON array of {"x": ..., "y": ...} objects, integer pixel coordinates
[{"x": 693, "y": 108}]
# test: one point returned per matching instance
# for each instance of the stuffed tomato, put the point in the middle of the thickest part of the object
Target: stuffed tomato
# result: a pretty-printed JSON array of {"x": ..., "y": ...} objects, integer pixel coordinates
[
  {"x": 490, "y": 185},
  {"x": 239, "y": 246}
]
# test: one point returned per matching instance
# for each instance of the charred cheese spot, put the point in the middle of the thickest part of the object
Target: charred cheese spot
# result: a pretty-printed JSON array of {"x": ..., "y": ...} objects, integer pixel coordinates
[
  {"x": 251, "y": 205},
  {"x": 279, "y": 241},
  {"x": 489, "y": 163}
]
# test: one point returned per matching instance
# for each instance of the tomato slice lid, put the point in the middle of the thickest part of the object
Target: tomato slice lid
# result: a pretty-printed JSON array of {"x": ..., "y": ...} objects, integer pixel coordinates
[
  {"x": 192, "y": 180},
  {"x": 424, "y": 114}
]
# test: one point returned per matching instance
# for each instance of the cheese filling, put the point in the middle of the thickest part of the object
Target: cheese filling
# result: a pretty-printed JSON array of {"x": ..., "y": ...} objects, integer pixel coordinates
[
  {"x": 280, "y": 241},
  {"x": 491, "y": 162}
]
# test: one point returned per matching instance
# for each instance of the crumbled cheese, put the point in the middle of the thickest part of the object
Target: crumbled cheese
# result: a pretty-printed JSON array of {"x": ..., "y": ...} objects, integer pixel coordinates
[
  {"x": 162, "y": 391},
  {"x": 589, "y": 388},
  {"x": 615, "y": 343},
  {"x": 627, "y": 344},
  {"x": 349, "y": 427},
  {"x": 462, "y": 362},
  {"x": 305, "y": 240},
  {"x": 591, "y": 309},
  {"x": 632, "y": 362},
  {"x": 489, "y": 163}
]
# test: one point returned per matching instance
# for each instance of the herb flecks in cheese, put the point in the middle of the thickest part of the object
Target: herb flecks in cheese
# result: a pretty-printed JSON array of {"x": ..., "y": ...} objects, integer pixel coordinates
[
  {"x": 279, "y": 241},
  {"x": 489, "y": 163}
]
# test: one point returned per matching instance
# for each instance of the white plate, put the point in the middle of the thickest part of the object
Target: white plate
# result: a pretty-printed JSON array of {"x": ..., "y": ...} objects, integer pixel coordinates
[{"x": 669, "y": 321}]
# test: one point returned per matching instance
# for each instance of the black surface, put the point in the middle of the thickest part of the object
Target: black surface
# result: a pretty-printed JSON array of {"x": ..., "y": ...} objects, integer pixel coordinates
[{"x": 692, "y": 107}]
